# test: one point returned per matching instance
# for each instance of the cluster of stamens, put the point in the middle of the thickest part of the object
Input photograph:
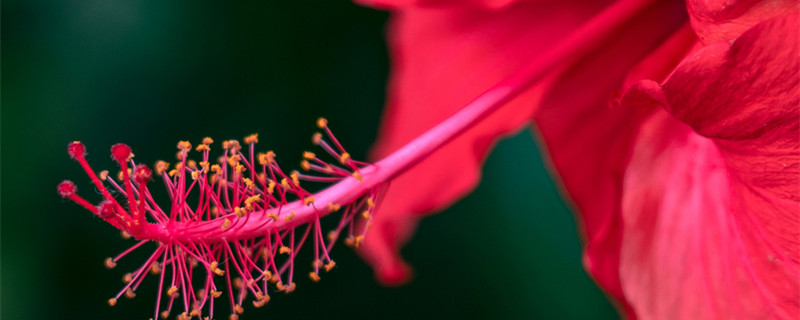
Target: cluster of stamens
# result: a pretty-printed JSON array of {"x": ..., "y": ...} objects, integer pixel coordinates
[{"x": 240, "y": 232}]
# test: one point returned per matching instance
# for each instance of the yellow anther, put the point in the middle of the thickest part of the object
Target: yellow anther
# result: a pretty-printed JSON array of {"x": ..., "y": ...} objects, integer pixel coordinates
[
  {"x": 262, "y": 300},
  {"x": 329, "y": 266},
  {"x": 155, "y": 268},
  {"x": 129, "y": 293},
  {"x": 309, "y": 155},
  {"x": 120, "y": 177},
  {"x": 290, "y": 288},
  {"x": 295, "y": 178},
  {"x": 124, "y": 235},
  {"x": 202, "y": 147},
  {"x": 322, "y": 123},
  {"x": 233, "y": 316},
  {"x": 213, "y": 266},
  {"x": 173, "y": 172},
  {"x": 262, "y": 158},
  {"x": 332, "y": 207},
  {"x": 271, "y": 156},
  {"x": 357, "y": 176},
  {"x": 184, "y": 145},
  {"x": 358, "y": 241},
  {"x": 161, "y": 167},
  {"x": 271, "y": 187},
  {"x": 284, "y": 250},
  {"x": 104, "y": 175},
  {"x": 285, "y": 183},
  {"x": 275, "y": 278},
  {"x": 344, "y": 157},
  {"x": 250, "y": 200},
  {"x": 195, "y": 313},
  {"x": 191, "y": 164},
  {"x": 308, "y": 201},
  {"x": 234, "y": 145},
  {"x": 253, "y": 138},
  {"x": 313, "y": 276},
  {"x": 127, "y": 278},
  {"x": 332, "y": 235},
  {"x": 216, "y": 168},
  {"x": 226, "y": 224},
  {"x": 274, "y": 216},
  {"x": 204, "y": 165},
  {"x": 164, "y": 314},
  {"x": 305, "y": 165},
  {"x": 238, "y": 309},
  {"x": 110, "y": 263},
  {"x": 290, "y": 217},
  {"x": 219, "y": 272},
  {"x": 240, "y": 212},
  {"x": 316, "y": 138},
  {"x": 249, "y": 183},
  {"x": 215, "y": 293},
  {"x": 267, "y": 274},
  {"x": 112, "y": 302},
  {"x": 350, "y": 241},
  {"x": 226, "y": 145},
  {"x": 208, "y": 140},
  {"x": 366, "y": 215},
  {"x": 195, "y": 175},
  {"x": 172, "y": 290},
  {"x": 262, "y": 177},
  {"x": 370, "y": 203},
  {"x": 233, "y": 161}
]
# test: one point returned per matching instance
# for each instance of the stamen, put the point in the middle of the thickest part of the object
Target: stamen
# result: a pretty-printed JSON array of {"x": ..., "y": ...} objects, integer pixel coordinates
[{"x": 239, "y": 207}]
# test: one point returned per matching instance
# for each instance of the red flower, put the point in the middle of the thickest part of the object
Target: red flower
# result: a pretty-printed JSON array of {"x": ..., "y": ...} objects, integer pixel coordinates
[{"x": 688, "y": 191}]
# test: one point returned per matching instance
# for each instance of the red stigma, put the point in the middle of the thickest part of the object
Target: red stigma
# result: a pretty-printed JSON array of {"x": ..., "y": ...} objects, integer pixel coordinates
[
  {"x": 120, "y": 152},
  {"x": 66, "y": 188},
  {"x": 142, "y": 174},
  {"x": 106, "y": 209},
  {"x": 76, "y": 150}
]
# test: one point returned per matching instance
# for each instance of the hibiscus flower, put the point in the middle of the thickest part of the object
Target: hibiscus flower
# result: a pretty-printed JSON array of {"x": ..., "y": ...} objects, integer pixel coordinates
[{"x": 686, "y": 184}]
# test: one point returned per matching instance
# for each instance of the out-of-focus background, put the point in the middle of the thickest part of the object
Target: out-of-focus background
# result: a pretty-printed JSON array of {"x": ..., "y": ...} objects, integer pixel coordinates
[{"x": 152, "y": 73}]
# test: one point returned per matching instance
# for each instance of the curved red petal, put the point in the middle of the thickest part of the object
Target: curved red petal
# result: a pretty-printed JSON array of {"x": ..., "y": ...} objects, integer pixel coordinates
[
  {"x": 710, "y": 209},
  {"x": 588, "y": 143},
  {"x": 443, "y": 58},
  {"x": 724, "y": 20}
]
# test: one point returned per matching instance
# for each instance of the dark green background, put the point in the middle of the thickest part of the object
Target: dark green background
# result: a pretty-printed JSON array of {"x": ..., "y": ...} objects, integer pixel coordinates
[{"x": 151, "y": 73}]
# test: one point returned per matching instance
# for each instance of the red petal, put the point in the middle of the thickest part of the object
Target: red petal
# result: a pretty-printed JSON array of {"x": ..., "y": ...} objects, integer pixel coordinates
[
  {"x": 589, "y": 143},
  {"x": 710, "y": 210},
  {"x": 443, "y": 58},
  {"x": 724, "y": 20}
]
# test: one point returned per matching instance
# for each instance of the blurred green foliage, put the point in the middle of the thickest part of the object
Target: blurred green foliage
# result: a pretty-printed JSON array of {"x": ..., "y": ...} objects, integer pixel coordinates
[{"x": 151, "y": 73}]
